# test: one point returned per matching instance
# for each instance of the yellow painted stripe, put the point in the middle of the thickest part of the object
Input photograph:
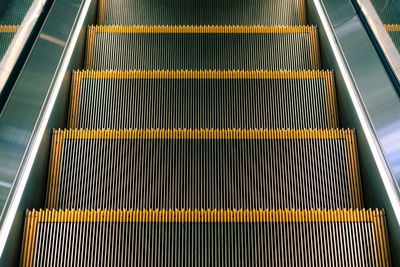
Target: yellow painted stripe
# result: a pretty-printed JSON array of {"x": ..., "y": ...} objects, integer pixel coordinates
[
  {"x": 207, "y": 216},
  {"x": 202, "y": 29},
  {"x": 204, "y": 134},
  {"x": 392, "y": 27},
  {"x": 9, "y": 28},
  {"x": 203, "y": 74}
]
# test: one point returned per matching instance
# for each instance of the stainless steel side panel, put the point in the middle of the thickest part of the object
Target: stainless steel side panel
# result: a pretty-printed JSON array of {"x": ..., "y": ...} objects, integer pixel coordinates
[
  {"x": 36, "y": 105},
  {"x": 367, "y": 101}
]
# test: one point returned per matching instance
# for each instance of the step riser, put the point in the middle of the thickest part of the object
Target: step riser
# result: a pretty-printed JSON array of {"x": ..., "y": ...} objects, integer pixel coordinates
[
  {"x": 341, "y": 238},
  {"x": 200, "y": 12},
  {"x": 204, "y": 173},
  {"x": 125, "y": 48},
  {"x": 218, "y": 103}
]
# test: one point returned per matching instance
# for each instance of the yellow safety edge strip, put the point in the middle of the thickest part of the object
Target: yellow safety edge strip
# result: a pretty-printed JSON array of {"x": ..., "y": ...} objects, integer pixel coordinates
[
  {"x": 203, "y": 74},
  {"x": 201, "y": 29},
  {"x": 204, "y": 134},
  {"x": 206, "y": 216},
  {"x": 311, "y": 30},
  {"x": 8, "y": 28},
  {"x": 392, "y": 27},
  {"x": 302, "y": 12}
]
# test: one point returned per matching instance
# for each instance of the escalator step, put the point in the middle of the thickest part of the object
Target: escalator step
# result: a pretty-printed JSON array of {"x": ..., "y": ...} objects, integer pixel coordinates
[
  {"x": 394, "y": 32},
  {"x": 200, "y": 238},
  {"x": 241, "y": 169},
  {"x": 202, "y": 47},
  {"x": 7, "y": 33},
  {"x": 203, "y": 99},
  {"x": 201, "y": 12}
]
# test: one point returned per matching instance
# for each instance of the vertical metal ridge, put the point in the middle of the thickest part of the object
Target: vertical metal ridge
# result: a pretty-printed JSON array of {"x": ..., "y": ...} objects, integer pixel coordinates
[
  {"x": 90, "y": 42},
  {"x": 58, "y": 137},
  {"x": 76, "y": 81},
  {"x": 28, "y": 247},
  {"x": 314, "y": 47},
  {"x": 354, "y": 170},
  {"x": 302, "y": 12},
  {"x": 101, "y": 12},
  {"x": 331, "y": 99}
]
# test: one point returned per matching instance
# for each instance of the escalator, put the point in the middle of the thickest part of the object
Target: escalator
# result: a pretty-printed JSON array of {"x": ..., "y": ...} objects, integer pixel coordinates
[{"x": 204, "y": 145}]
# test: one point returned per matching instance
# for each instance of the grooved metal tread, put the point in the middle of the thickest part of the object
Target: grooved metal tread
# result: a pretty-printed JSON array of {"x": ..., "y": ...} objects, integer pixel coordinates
[
  {"x": 235, "y": 169},
  {"x": 205, "y": 237},
  {"x": 202, "y": 99},
  {"x": 200, "y": 12},
  {"x": 202, "y": 47}
]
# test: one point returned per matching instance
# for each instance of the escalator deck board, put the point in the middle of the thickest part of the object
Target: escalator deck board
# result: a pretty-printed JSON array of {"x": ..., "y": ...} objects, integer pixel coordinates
[
  {"x": 201, "y": 12},
  {"x": 202, "y": 47},
  {"x": 203, "y": 99},
  {"x": 198, "y": 238},
  {"x": 7, "y": 33},
  {"x": 168, "y": 169}
]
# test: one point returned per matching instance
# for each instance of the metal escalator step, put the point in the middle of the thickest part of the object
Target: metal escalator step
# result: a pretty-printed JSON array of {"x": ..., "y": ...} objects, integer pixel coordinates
[
  {"x": 201, "y": 12},
  {"x": 202, "y": 47},
  {"x": 7, "y": 33},
  {"x": 394, "y": 32},
  {"x": 14, "y": 11},
  {"x": 203, "y": 99},
  {"x": 228, "y": 169},
  {"x": 199, "y": 238}
]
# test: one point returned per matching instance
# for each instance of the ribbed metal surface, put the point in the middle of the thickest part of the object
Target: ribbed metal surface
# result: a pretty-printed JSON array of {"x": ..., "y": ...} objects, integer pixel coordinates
[
  {"x": 202, "y": 99},
  {"x": 202, "y": 48},
  {"x": 7, "y": 33},
  {"x": 204, "y": 169},
  {"x": 388, "y": 10},
  {"x": 14, "y": 11},
  {"x": 394, "y": 32},
  {"x": 201, "y": 12},
  {"x": 213, "y": 238}
]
